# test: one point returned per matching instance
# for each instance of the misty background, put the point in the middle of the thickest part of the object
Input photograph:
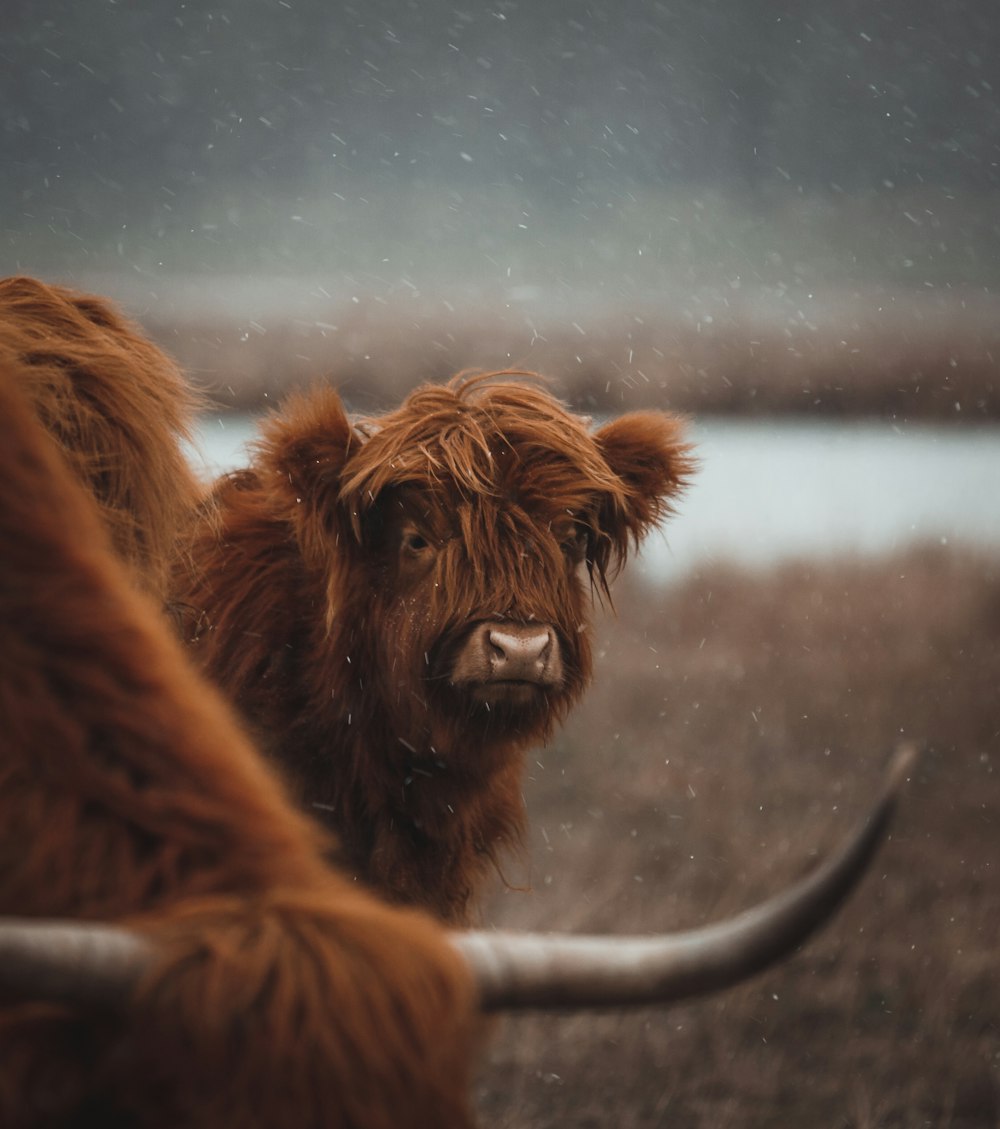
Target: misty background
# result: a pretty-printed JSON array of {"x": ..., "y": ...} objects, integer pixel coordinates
[{"x": 606, "y": 147}]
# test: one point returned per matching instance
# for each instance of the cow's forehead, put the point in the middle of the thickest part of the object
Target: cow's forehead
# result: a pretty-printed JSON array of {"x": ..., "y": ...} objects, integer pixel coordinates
[{"x": 507, "y": 444}]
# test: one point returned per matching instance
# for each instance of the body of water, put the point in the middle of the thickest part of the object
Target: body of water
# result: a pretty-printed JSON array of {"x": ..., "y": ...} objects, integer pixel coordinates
[{"x": 772, "y": 490}]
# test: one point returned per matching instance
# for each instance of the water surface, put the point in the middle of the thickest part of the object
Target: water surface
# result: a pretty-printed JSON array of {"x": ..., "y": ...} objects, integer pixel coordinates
[{"x": 776, "y": 489}]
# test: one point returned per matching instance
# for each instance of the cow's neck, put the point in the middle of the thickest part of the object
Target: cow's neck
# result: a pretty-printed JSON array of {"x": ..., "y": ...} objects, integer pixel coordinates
[{"x": 426, "y": 833}]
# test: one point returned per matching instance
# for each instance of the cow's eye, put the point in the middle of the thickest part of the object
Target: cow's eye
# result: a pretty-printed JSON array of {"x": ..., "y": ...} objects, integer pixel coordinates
[
  {"x": 575, "y": 546},
  {"x": 414, "y": 542}
]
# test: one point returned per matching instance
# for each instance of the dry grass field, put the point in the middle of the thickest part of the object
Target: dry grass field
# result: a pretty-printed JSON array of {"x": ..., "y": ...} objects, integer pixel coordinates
[
  {"x": 909, "y": 355},
  {"x": 737, "y": 728}
]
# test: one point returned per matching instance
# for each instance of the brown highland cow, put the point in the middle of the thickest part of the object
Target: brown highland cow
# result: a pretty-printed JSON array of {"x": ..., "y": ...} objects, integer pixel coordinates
[{"x": 398, "y": 605}]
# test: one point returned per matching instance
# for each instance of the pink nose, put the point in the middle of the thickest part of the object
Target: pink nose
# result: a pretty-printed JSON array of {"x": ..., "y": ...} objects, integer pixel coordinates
[
  {"x": 519, "y": 652},
  {"x": 502, "y": 651}
]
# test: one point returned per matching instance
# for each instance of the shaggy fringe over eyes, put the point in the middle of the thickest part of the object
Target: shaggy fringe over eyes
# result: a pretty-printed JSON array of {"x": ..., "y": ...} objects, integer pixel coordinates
[
  {"x": 456, "y": 434},
  {"x": 452, "y": 431}
]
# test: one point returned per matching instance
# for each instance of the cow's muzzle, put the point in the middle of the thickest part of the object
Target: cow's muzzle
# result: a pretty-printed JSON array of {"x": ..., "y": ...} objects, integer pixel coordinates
[{"x": 499, "y": 658}]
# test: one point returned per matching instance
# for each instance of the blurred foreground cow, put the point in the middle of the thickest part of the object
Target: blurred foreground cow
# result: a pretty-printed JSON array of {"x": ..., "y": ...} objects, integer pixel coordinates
[
  {"x": 210, "y": 969},
  {"x": 282, "y": 994},
  {"x": 117, "y": 408}
]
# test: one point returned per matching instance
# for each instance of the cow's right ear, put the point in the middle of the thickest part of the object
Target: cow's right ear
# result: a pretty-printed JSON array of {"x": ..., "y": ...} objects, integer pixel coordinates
[
  {"x": 653, "y": 462},
  {"x": 303, "y": 450}
]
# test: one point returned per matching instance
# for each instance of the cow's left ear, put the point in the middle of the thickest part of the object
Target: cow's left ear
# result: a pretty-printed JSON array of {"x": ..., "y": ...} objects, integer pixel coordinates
[
  {"x": 308, "y": 442},
  {"x": 303, "y": 451},
  {"x": 653, "y": 461}
]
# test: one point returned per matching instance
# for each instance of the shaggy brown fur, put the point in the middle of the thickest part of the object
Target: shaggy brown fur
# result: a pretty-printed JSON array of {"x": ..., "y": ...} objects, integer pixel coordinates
[
  {"x": 348, "y": 589},
  {"x": 351, "y": 591},
  {"x": 118, "y": 409},
  {"x": 285, "y": 995}
]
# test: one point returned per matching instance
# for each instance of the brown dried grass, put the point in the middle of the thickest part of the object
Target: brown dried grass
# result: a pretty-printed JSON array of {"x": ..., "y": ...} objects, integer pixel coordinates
[
  {"x": 910, "y": 356},
  {"x": 738, "y": 726}
]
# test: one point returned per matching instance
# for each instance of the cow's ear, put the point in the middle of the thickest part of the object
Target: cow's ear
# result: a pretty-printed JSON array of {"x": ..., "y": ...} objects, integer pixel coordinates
[
  {"x": 651, "y": 458},
  {"x": 303, "y": 450},
  {"x": 308, "y": 442}
]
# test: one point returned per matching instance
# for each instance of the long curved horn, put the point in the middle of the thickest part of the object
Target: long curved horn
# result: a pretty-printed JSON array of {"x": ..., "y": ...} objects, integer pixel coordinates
[
  {"x": 70, "y": 962},
  {"x": 539, "y": 971},
  {"x": 97, "y": 966}
]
